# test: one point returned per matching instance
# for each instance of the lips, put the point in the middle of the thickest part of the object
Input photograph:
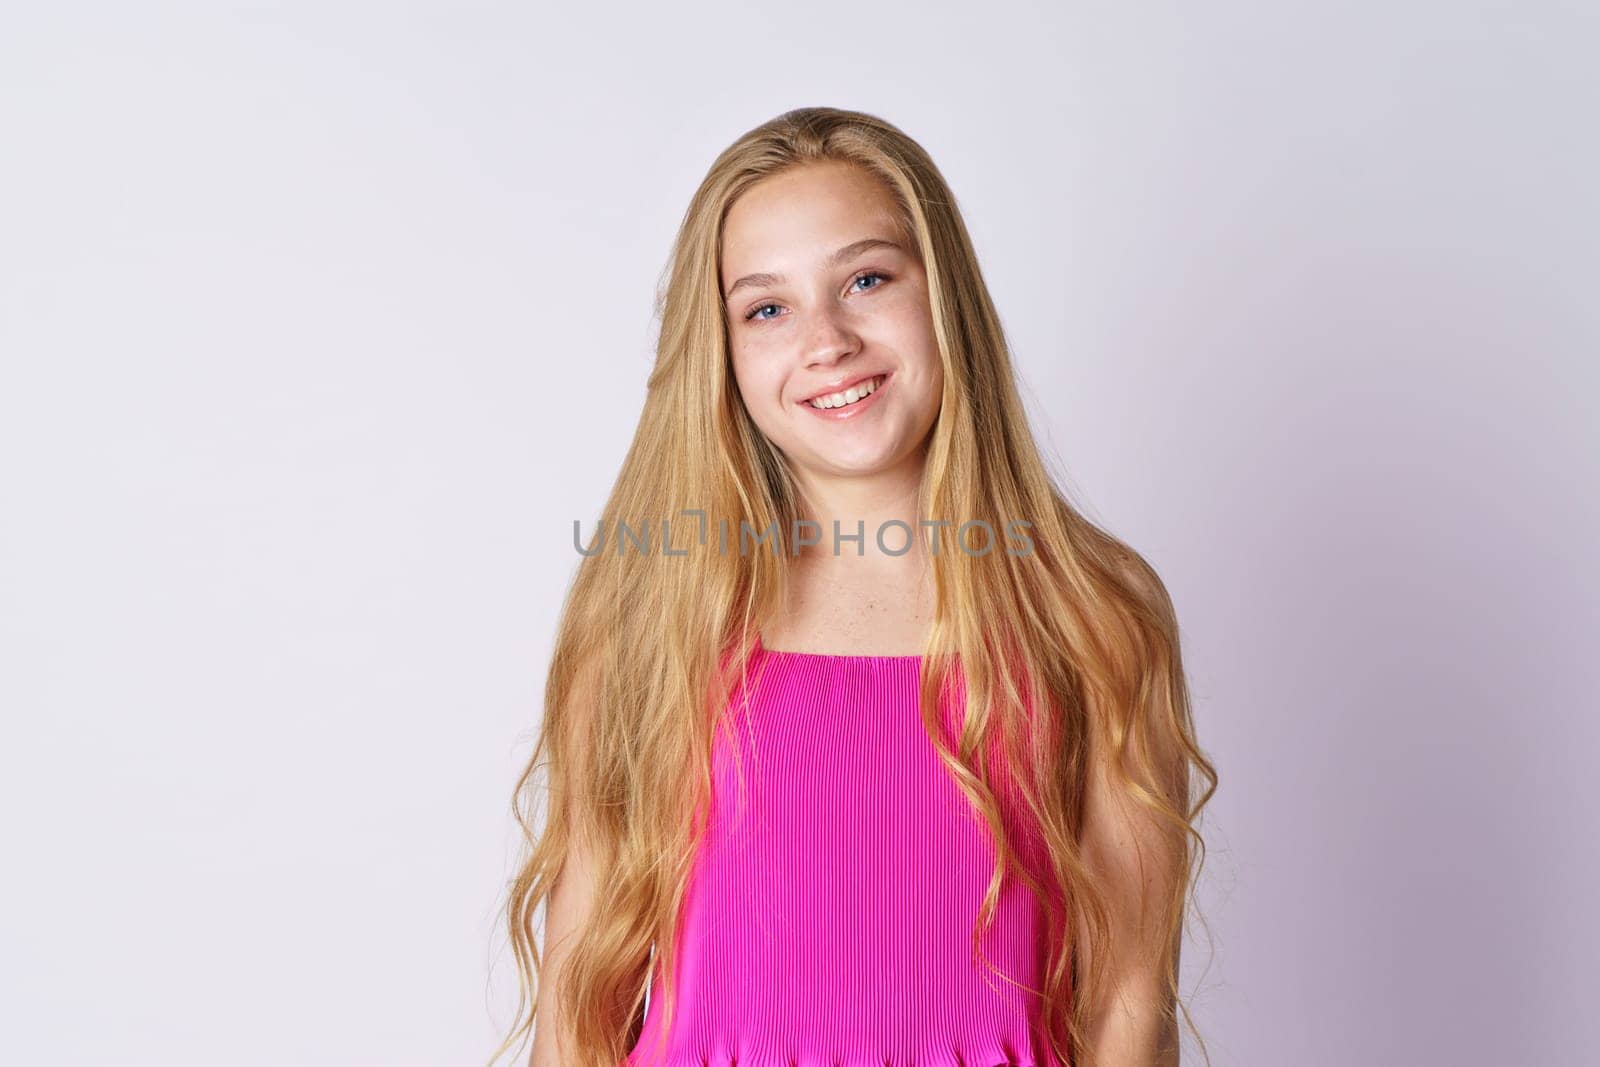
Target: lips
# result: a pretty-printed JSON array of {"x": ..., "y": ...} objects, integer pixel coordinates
[
  {"x": 842, "y": 386},
  {"x": 848, "y": 413}
]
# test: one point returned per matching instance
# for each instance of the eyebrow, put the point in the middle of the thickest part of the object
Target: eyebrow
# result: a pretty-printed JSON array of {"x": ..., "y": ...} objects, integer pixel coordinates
[{"x": 849, "y": 251}]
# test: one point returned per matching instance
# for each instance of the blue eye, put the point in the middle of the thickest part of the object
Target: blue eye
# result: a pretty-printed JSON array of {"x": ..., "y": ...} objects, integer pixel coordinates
[{"x": 755, "y": 313}]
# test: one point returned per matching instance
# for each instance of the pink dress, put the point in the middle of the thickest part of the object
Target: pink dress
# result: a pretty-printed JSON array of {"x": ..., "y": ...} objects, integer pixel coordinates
[{"x": 829, "y": 918}]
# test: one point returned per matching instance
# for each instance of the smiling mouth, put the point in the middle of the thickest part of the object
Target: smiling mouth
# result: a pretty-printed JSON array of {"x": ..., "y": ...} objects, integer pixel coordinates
[{"x": 844, "y": 398}]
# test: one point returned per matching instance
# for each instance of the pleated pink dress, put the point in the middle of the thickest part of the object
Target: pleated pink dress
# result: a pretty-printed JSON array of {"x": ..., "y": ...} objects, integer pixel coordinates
[{"x": 829, "y": 916}]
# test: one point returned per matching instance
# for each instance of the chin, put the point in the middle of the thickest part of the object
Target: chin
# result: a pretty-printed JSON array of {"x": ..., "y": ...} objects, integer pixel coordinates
[{"x": 855, "y": 463}]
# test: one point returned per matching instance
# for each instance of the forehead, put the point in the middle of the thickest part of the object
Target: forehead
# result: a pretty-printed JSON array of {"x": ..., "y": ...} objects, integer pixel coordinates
[{"x": 802, "y": 215}]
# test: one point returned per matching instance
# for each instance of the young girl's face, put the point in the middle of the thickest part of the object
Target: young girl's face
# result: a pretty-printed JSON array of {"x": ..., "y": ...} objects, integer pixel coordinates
[{"x": 823, "y": 296}]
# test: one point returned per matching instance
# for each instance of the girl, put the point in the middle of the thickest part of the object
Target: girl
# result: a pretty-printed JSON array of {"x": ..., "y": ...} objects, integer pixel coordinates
[{"x": 878, "y": 752}]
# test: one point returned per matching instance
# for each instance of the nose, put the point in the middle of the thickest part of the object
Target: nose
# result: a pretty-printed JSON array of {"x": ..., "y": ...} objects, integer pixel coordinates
[{"x": 829, "y": 340}]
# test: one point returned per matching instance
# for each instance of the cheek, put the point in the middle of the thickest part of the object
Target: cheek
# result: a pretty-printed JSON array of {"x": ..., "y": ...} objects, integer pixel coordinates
[
  {"x": 921, "y": 348},
  {"x": 910, "y": 324},
  {"x": 758, "y": 385}
]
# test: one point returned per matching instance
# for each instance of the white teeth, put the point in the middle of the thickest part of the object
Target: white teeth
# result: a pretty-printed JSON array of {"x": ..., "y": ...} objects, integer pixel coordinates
[{"x": 849, "y": 396}]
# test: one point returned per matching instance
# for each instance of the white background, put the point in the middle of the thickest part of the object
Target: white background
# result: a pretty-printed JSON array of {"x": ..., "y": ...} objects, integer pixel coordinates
[{"x": 320, "y": 323}]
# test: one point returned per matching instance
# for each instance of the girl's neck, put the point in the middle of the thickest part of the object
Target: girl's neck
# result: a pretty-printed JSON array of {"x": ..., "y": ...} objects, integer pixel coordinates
[{"x": 870, "y": 519}]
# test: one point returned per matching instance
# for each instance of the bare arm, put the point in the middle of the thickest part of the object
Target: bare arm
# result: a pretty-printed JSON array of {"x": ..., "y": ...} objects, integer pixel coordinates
[
  {"x": 572, "y": 895},
  {"x": 571, "y": 901},
  {"x": 1141, "y": 858},
  {"x": 1130, "y": 1026}
]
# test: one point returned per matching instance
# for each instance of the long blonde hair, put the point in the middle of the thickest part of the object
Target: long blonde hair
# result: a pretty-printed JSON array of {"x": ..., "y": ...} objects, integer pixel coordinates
[{"x": 1080, "y": 630}]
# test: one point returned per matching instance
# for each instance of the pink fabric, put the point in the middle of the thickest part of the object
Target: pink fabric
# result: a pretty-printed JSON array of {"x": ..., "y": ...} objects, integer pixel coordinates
[{"x": 829, "y": 920}]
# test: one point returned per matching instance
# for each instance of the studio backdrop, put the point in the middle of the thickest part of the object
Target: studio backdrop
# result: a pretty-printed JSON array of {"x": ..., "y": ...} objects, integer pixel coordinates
[{"x": 321, "y": 324}]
